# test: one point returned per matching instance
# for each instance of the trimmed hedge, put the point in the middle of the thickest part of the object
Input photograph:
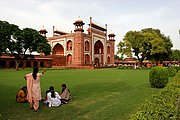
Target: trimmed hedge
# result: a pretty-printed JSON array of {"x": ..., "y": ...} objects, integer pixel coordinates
[
  {"x": 131, "y": 68},
  {"x": 125, "y": 67},
  {"x": 161, "y": 106},
  {"x": 177, "y": 68},
  {"x": 172, "y": 71},
  {"x": 158, "y": 77}
]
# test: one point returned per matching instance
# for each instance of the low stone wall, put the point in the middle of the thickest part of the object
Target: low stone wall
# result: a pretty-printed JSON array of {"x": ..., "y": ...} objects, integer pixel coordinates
[{"x": 83, "y": 67}]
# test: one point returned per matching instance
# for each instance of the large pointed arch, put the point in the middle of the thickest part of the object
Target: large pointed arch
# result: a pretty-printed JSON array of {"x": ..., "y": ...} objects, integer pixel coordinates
[
  {"x": 58, "y": 49},
  {"x": 98, "y": 47},
  {"x": 96, "y": 61}
]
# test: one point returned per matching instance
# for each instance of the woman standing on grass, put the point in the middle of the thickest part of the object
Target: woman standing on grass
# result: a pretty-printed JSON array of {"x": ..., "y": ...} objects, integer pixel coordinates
[{"x": 34, "y": 88}]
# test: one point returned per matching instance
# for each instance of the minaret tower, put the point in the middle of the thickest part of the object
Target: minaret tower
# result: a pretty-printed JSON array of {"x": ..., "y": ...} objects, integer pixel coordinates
[
  {"x": 78, "y": 58},
  {"x": 112, "y": 41},
  {"x": 78, "y": 25},
  {"x": 43, "y": 31}
]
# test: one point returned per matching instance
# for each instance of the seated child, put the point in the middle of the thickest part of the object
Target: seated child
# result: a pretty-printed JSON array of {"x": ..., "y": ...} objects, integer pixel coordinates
[
  {"x": 65, "y": 94},
  {"x": 22, "y": 95},
  {"x": 53, "y": 98}
]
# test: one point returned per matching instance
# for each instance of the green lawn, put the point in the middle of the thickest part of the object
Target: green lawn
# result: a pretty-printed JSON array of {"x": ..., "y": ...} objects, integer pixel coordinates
[{"x": 102, "y": 94}]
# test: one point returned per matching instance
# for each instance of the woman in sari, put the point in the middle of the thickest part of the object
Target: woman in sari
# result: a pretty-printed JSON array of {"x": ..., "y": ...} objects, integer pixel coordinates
[{"x": 34, "y": 88}]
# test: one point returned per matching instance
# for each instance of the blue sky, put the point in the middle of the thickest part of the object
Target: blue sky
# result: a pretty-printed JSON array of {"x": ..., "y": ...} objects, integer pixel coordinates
[{"x": 120, "y": 15}]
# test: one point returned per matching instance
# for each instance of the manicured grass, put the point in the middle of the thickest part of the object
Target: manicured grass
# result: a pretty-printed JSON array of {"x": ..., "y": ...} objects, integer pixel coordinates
[{"x": 102, "y": 94}]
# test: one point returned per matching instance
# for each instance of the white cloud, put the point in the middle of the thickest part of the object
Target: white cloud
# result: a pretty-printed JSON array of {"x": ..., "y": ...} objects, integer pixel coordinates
[{"x": 121, "y": 16}]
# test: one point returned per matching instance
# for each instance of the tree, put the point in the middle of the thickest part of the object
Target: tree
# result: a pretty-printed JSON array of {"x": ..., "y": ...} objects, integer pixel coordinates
[
  {"x": 21, "y": 43},
  {"x": 145, "y": 44},
  {"x": 116, "y": 57},
  {"x": 161, "y": 45},
  {"x": 7, "y": 31},
  {"x": 135, "y": 42},
  {"x": 175, "y": 56},
  {"x": 122, "y": 50}
]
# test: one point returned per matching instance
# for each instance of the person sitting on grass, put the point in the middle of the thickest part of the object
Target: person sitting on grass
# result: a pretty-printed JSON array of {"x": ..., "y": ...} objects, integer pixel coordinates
[
  {"x": 65, "y": 94},
  {"x": 21, "y": 96},
  {"x": 53, "y": 98}
]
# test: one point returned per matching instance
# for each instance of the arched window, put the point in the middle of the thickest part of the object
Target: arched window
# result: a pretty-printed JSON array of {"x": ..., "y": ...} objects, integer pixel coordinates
[
  {"x": 69, "y": 59},
  {"x": 69, "y": 45},
  {"x": 108, "y": 50},
  {"x": 21, "y": 64},
  {"x": 2, "y": 64},
  {"x": 108, "y": 60},
  {"x": 87, "y": 59},
  {"x": 42, "y": 64},
  {"x": 35, "y": 64},
  {"x": 12, "y": 64},
  {"x": 58, "y": 49},
  {"x": 98, "y": 47},
  {"x": 28, "y": 64},
  {"x": 86, "y": 46}
]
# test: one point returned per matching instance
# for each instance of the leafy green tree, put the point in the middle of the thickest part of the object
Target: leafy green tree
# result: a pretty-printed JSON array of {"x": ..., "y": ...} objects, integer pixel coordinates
[
  {"x": 7, "y": 32},
  {"x": 175, "y": 56},
  {"x": 161, "y": 45},
  {"x": 137, "y": 43},
  {"x": 122, "y": 50},
  {"x": 116, "y": 57},
  {"x": 146, "y": 44},
  {"x": 21, "y": 43}
]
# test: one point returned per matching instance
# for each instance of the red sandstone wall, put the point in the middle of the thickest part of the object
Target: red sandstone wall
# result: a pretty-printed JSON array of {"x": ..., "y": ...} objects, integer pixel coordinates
[
  {"x": 58, "y": 60},
  {"x": 78, "y": 49},
  {"x": 112, "y": 51}
]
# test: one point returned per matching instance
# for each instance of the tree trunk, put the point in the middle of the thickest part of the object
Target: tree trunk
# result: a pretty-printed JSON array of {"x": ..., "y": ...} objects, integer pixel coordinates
[
  {"x": 140, "y": 60},
  {"x": 17, "y": 64},
  {"x": 140, "y": 63}
]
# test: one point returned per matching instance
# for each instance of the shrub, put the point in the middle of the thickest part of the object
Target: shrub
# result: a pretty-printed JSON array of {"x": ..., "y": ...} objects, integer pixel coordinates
[
  {"x": 161, "y": 106},
  {"x": 177, "y": 68},
  {"x": 158, "y": 77},
  {"x": 172, "y": 71},
  {"x": 125, "y": 67},
  {"x": 131, "y": 67}
]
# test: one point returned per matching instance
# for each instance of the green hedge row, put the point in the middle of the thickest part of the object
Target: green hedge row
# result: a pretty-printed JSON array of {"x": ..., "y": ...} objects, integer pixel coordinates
[
  {"x": 161, "y": 106},
  {"x": 131, "y": 67},
  {"x": 125, "y": 67}
]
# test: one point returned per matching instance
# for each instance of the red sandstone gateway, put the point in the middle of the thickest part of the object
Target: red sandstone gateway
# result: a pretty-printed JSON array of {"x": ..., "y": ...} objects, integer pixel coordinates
[{"x": 75, "y": 49}]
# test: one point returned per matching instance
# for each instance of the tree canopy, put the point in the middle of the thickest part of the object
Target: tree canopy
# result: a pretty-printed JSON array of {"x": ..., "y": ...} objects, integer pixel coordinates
[
  {"x": 148, "y": 44},
  {"x": 21, "y": 43},
  {"x": 175, "y": 56}
]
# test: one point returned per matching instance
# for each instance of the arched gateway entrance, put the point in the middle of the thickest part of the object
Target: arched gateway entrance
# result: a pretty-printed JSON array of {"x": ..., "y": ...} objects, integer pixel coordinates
[
  {"x": 98, "y": 53},
  {"x": 96, "y": 62},
  {"x": 58, "y": 49},
  {"x": 98, "y": 47}
]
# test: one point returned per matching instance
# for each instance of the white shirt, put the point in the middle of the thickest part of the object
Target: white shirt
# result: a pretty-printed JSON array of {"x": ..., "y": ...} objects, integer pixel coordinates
[{"x": 53, "y": 101}]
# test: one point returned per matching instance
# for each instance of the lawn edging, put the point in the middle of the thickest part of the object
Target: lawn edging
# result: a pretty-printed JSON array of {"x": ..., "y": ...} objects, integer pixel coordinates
[{"x": 162, "y": 106}]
